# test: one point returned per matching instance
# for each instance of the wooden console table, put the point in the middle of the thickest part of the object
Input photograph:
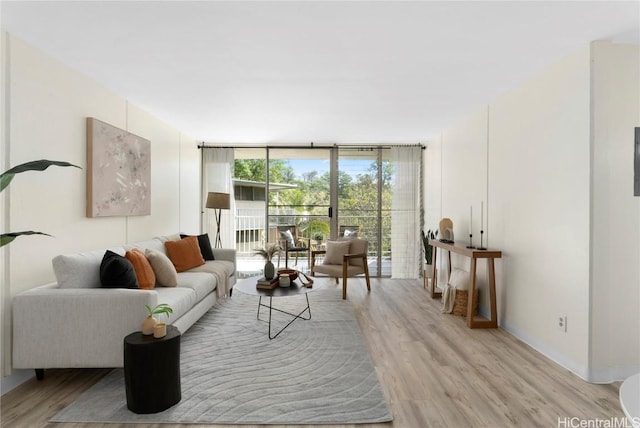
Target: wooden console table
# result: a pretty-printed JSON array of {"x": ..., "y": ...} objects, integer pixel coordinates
[{"x": 473, "y": 254}]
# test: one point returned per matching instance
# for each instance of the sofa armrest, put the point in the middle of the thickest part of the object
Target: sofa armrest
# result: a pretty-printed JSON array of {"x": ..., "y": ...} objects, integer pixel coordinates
[
  {"x": 228, "y": 254},
  {"x": 81, "y": 327}
]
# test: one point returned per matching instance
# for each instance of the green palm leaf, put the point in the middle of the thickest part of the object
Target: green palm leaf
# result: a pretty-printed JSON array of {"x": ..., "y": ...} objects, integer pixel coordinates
[
  {"x": 39, "y": 165},
  {"x": 6, "y": 238}
]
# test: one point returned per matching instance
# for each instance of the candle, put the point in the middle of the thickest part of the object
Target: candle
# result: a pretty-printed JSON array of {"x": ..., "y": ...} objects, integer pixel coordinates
[
  {"x": 160, "y": 330},
  {"x": 470, "y": 219},
  {"x": 482, "y": 215}
]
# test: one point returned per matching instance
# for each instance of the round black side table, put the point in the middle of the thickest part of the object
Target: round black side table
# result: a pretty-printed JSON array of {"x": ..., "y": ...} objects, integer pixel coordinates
[{"x": 152, "y": 371}]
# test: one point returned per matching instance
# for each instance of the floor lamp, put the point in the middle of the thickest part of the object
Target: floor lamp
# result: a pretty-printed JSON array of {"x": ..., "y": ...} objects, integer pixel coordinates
[{"x": 218, "y": 202}]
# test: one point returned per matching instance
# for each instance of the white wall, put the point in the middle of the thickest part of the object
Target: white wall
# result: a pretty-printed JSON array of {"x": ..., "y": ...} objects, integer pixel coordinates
[
  {"x": 189, "y": 202},
  {"x": 542, "y": 191},
  {"x": 464, "y": 187},
  {"x": 47, "y": 107},
  {"x": 539, "y": 187},
  {"x": 615, "y": 269},
  {"x": 432, "y": 158}
]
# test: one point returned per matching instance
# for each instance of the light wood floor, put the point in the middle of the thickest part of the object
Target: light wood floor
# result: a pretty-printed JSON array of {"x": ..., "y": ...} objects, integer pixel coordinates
[{"x": 435, "y": 372}]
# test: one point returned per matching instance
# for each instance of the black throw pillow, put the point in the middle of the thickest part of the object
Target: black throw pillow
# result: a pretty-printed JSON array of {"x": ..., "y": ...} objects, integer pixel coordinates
[
  {"x": 204, "y": 244},
  {"x": 117, "y": 272}
]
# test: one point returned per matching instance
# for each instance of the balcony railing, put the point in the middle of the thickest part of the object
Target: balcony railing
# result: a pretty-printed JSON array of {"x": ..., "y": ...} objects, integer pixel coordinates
[
  {"x": 249, "y": 231},
  {"x": 251, "y": 234}
]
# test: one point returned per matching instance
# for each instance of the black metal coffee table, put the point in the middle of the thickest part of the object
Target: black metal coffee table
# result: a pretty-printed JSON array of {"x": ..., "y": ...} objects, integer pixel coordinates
[{"x": 248, "y": 286}]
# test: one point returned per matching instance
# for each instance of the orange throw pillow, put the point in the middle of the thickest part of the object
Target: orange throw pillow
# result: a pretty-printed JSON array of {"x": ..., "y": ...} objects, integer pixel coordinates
[
  {"x": 143, "y": 269},
  {"x": 184, "y": 253}
]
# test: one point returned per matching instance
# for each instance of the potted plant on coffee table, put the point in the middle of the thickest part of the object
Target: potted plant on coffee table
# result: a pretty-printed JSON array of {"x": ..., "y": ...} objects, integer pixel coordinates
[{"x": 267, "y": 254}]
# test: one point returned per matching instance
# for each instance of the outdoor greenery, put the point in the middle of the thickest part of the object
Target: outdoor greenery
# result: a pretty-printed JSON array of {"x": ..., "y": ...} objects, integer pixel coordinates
[{"x": 358, "y": 195}]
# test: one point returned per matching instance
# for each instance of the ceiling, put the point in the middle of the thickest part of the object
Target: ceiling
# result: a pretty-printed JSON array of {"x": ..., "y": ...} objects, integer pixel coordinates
[{"x": 301, "y": 71}]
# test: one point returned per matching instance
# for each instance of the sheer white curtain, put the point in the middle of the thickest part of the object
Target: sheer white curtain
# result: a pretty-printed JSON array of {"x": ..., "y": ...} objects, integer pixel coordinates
[
  {"x": 405, "y": 212},
  {"x": 217, "y": 174}
]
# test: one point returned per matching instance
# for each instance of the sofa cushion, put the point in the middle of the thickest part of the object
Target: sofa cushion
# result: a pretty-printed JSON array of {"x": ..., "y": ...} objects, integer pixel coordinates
[
  {"x": 181, "y": 300},
  {"x": 204, "y": 244},
  {"x": 144, "y": 272},
  {"x": 222, "y": 270},
  {"x": 80, "y": 270},
  {"x": 184, "y": 253},
  {"x": 201, "y": 282},
  {"x": 117, "y": 272},
  {"x": 165, "y": 272},
  {"x": 221, "y": 267}
]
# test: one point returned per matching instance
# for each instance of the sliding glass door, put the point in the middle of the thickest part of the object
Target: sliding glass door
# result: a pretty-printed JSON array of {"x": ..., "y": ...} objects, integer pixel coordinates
[
  {"x": 299, "y": 202},
  {"x": 300, "y": 197},
  {"x": 363, "y": 201}
]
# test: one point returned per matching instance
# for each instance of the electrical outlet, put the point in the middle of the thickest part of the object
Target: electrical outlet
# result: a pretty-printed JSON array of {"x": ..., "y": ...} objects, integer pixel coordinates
[{"x": 562, "y": 323}]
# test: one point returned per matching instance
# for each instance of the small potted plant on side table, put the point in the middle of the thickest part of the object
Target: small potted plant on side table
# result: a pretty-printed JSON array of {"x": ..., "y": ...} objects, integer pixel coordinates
[{"x": 150, "y": 325}]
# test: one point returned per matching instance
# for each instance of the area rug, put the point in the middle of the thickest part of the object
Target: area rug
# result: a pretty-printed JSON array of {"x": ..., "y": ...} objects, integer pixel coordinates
[{"x": 315, "y": 372}]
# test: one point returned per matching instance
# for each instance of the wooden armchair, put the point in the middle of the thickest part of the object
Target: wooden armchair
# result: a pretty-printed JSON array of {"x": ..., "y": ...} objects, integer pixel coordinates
[
  {"x": 291, "y": 242},
  {"x": 346, "y": 258}
]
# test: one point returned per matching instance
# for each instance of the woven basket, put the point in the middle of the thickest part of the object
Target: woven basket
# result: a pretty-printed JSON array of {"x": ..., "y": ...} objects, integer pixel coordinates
[{"x": 460, "y": 303}]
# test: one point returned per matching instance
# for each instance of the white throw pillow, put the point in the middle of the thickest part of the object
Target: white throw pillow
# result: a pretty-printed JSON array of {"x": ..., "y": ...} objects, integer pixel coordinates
[
  {"x": 348, "y": 233},
  {"x": 166, "y": 275},
  {"x": 80, "y": 270},
  {"x": 335, "y": 252},
  {"x": 151, "y": 244},
  {"x": 288, "y": 236},
  {"x": 459, "y": 279}
]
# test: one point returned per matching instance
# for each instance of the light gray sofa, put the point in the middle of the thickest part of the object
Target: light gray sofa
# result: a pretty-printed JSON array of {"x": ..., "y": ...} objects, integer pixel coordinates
[{"x": 76, "y": 323}]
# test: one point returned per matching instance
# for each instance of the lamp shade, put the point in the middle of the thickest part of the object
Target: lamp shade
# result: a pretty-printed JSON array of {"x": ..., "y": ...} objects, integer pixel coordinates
[{"x": 218, "y": 200}]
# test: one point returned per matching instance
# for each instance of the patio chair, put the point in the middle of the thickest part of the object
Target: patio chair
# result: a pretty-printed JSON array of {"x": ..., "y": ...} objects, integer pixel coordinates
[
  {"x": 291, "y": 242},
  {"x": 343, "y": 258}
]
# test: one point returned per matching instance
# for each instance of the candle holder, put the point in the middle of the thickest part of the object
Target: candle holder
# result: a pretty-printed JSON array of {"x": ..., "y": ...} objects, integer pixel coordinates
[
  {"x": 470, "y": 241},
  {"x": 481, "y": 247}
]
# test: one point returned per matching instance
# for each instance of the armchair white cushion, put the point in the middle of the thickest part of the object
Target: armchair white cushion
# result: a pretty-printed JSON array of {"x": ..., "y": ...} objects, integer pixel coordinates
[{"x": 335, "y": 252}]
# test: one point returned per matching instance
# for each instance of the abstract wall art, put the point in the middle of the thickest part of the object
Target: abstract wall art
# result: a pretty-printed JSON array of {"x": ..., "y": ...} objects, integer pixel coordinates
[{"x": 118, "y": 171}]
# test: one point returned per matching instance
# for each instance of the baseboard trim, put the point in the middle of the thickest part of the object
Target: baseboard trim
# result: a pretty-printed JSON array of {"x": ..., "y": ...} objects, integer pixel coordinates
[
  {"x": 552, "y": 354},
  {"x": 612, "y": 374},
  {"x": 589, "y": 374},
  {"x": 17, "y": 378}
]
